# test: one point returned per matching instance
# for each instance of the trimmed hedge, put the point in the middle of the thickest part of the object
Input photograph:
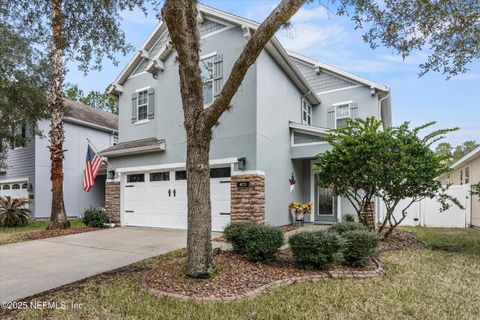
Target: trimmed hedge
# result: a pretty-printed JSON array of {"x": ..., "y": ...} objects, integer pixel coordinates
[
  {"x": 235, "y": 234},
  {"x": 258, "y": 242},
  {"x": 343, "y": 227},
  {"x": 359, "y": 245},
  {"x": 94, "y": 217},
  {"x": 348, "y": 218},
  {"x": 316, "y": 250},
  {"x": 262, "y": 242}
]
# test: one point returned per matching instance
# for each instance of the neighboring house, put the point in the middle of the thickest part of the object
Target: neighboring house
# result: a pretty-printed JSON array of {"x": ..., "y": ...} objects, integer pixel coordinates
[
  {"x": 281, "y": 112},
  {"x": 466, "y": 171},
  {"x": 27, "y": 171}
]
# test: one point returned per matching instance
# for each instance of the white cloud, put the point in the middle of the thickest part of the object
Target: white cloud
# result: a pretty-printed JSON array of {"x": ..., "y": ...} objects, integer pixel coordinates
[
  {"x": 138, "y": 17},
  {"x": 309, "y": 14}
]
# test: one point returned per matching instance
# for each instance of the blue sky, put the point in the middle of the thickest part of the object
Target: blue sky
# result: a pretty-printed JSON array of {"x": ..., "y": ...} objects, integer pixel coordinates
[{"x": 317, "y": 32}]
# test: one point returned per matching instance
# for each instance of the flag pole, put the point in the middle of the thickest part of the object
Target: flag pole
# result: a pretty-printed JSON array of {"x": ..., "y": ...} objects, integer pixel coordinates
[{"x": 103, "y": 158}]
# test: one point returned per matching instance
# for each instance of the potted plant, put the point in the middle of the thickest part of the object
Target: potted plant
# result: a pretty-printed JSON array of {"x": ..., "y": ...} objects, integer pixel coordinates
[
  {"x": 296, "y": 211},
  {"x": 307, "y": 209}
]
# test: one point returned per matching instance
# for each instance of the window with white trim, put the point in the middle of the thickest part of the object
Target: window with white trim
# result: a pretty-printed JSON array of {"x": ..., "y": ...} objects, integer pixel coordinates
[
  {"x": 142, "y": 105},
  {"x": 466, "y": 175},
  {"x": 306, "y": 112},
  {"x": 207, "y": 72},
  {"x": 342, "y": 113},
  {"x": 18, "y": 136}
]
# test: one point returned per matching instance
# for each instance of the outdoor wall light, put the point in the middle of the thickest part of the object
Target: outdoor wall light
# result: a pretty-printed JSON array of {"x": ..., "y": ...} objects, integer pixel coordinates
[
  {"x": 242, "y": 162},
  {"x": 111, "y": 174}
]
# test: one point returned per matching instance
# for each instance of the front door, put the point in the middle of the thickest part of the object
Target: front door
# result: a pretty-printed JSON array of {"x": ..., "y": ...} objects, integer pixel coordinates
[{"x": 324, "y": 205}]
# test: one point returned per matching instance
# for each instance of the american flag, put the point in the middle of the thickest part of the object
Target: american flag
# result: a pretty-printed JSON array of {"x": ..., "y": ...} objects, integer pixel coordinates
[{"x": 92, "y": 165}]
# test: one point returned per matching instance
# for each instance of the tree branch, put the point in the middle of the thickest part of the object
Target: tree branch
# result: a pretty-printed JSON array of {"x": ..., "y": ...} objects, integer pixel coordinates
[{"x": 278, "y": 17}]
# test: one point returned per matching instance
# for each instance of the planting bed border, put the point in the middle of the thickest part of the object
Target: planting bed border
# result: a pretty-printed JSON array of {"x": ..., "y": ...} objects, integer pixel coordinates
[{"x": 334, "y": 274}]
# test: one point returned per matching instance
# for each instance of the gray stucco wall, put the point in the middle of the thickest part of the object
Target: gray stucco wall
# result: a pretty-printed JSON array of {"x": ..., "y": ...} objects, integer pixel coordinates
[
  {"x": 233, "y": 137},
  {"x": 76, "y": 199},
  {"x": 278, "y": 103},
  {"x": 367, "y": 104},
  {"x": 21, "y": 164}
]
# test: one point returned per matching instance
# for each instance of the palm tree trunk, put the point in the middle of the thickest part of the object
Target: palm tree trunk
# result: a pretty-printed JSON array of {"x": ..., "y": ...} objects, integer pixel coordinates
[{"x": 58, "y": 216}]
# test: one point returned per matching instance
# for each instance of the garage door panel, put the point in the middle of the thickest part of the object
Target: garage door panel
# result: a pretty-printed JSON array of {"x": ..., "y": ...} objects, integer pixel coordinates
[{"x": 150, "y": 204}]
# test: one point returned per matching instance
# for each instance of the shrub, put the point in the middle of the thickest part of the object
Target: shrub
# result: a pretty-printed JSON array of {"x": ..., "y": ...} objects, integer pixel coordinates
[
  {"x": 316, "y": 250},
  {"x": 343, "y": 227},
  {"x": 94, "y": 217},
  {"x": 262, "y": 242},
  {"x": 359, "y": 245},
  {"x": 13, "y": 212},
  {"x": 348, "y": 218},
  {"x": 235, "y": 233}
]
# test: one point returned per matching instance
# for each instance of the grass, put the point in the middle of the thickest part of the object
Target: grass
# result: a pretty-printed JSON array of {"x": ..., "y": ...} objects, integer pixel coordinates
[
  {"x": 418, "y": 284},
  {"x": 12, "y": 235}
]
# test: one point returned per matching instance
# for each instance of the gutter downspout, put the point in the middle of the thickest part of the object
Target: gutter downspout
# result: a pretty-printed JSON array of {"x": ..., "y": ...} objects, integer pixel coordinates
[{"x": 380, "y": 106}]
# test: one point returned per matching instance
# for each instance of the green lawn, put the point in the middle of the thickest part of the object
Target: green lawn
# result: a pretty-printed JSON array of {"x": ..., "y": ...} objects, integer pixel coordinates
[
  {"x": 418, "y": 284},
  {"x": 12, "y": 235}
]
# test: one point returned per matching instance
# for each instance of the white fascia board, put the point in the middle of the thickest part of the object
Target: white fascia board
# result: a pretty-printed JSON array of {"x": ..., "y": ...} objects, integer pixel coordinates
[
  {"x": 14, "y": 180},
  {"x": 178, "y": 165},
  {"x": 89, "y": 124},
  {"x": 338, "y": 71},
  {"x": 469, "y": 156},
  {"x": 308, "y": 129}
]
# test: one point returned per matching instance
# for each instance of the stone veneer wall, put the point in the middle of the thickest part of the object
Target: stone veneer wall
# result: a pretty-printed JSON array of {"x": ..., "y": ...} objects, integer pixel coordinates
[
  {"x": 112, "y": 200},
  {"x": 248, "y": 203}
]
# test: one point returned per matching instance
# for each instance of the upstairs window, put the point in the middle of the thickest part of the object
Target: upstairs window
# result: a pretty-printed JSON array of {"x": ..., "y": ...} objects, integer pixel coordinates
[
  {"x": 342, "y": 113},
  {"x": 18, "y": 136},
  {"x": 466, "y": 175},
  {"x": 142, "y": 105},
  {"x": 207, "y": 72},
  {"x": 306, "y": 112}
]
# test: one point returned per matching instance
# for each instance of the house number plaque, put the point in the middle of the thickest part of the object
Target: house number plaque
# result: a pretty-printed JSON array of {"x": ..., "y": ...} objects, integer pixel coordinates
[{"x": 243, "y": 184}]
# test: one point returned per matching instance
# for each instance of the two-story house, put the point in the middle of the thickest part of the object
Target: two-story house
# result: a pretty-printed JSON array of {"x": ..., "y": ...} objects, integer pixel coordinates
[
  {"x": 275, "y": 129},
  {"x": 26, "y": 173}
]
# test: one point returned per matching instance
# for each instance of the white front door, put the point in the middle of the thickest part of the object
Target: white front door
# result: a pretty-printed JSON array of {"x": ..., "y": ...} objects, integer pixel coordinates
[{"x": 159, "y": 199}]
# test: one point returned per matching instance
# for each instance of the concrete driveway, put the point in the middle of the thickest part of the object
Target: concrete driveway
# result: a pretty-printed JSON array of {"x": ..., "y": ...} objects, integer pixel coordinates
[{"x": 32, "y": 267}]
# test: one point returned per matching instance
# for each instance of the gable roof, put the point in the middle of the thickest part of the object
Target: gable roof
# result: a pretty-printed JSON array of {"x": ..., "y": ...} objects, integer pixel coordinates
[
  {"x": 82, "y": 114},
  {"x": 472, "y": 155},
  {"x": 337, "y": 71},
  {"x": 273, "y": 47}
]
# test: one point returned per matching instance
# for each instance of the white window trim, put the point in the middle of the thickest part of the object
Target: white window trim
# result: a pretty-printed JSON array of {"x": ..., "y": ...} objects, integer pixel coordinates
[
  {"x": 336, "y": 105},
  {"x": 15, "y": 134},
  {"x": 207, "y": 56},
  {"x": 146, "y": 120},
  {"x": 309, "y": 114}
]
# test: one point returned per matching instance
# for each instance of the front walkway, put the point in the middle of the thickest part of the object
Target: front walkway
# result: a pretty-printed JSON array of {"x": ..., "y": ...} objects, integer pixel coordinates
[{"x": 31, "y": 267}]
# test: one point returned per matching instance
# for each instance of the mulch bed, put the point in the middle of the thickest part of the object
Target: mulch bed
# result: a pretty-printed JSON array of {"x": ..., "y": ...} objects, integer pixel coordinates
[
  {"x": 236, "y": 275},
  {"x": 44, "y": 234},
  {"x": 401, "y": 240}
]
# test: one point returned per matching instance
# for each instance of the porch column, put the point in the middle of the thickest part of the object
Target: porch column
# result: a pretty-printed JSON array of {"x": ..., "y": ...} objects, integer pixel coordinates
[
  {"x": 112, "y": 200},
  {"x": 247, "y": 191}
]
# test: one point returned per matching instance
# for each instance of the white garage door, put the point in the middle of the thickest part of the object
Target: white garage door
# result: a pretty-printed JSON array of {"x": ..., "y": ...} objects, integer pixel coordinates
[
  {"x": 159, "y": 199},
  {"x": 15, "y": 189}
]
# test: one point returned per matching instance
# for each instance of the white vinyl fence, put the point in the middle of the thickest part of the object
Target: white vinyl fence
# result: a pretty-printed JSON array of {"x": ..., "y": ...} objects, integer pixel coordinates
[{"x": 426, "y": 213}]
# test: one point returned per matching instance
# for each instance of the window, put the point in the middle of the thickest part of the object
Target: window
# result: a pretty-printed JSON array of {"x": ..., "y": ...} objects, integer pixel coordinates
[
  {"x": 18, "y": 136},
  {"x": 306, "y": 112},
  {"x": 461, "y": 176},
  {"x": 142, "y": 105},
  {"x": 6, "y": 187},
  {"x": 136, "y": 178},
  {"x": 181, "y": 175},
  {"x": 160, "y": 176},
  {"x": 467, "y": 175},
  {"x": 342, "y": 113},
  {"x": 206, "y": 68},
  {"x": 220, "y": 172},
  {"x": 24, "y": 186},
  {"x": 15, "y": 186}
]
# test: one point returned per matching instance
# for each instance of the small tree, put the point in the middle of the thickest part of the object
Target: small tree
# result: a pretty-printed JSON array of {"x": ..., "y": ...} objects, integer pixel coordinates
[
  {"x": 351, "y": 168},
  {"x": 392, "y": 164},
  {"x": 476, "y": 189}
]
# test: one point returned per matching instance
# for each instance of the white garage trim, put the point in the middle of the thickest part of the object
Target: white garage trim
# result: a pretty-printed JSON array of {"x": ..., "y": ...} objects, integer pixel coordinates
[
  {"x": 10, "y": 181},
  {"x": 177, "y": 165}
]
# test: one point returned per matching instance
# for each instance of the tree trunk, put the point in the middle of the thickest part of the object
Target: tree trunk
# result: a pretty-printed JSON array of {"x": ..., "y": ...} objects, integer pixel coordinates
[
  {"x": 200, "y": 258},
  {"x": 58, "y": 216}
]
